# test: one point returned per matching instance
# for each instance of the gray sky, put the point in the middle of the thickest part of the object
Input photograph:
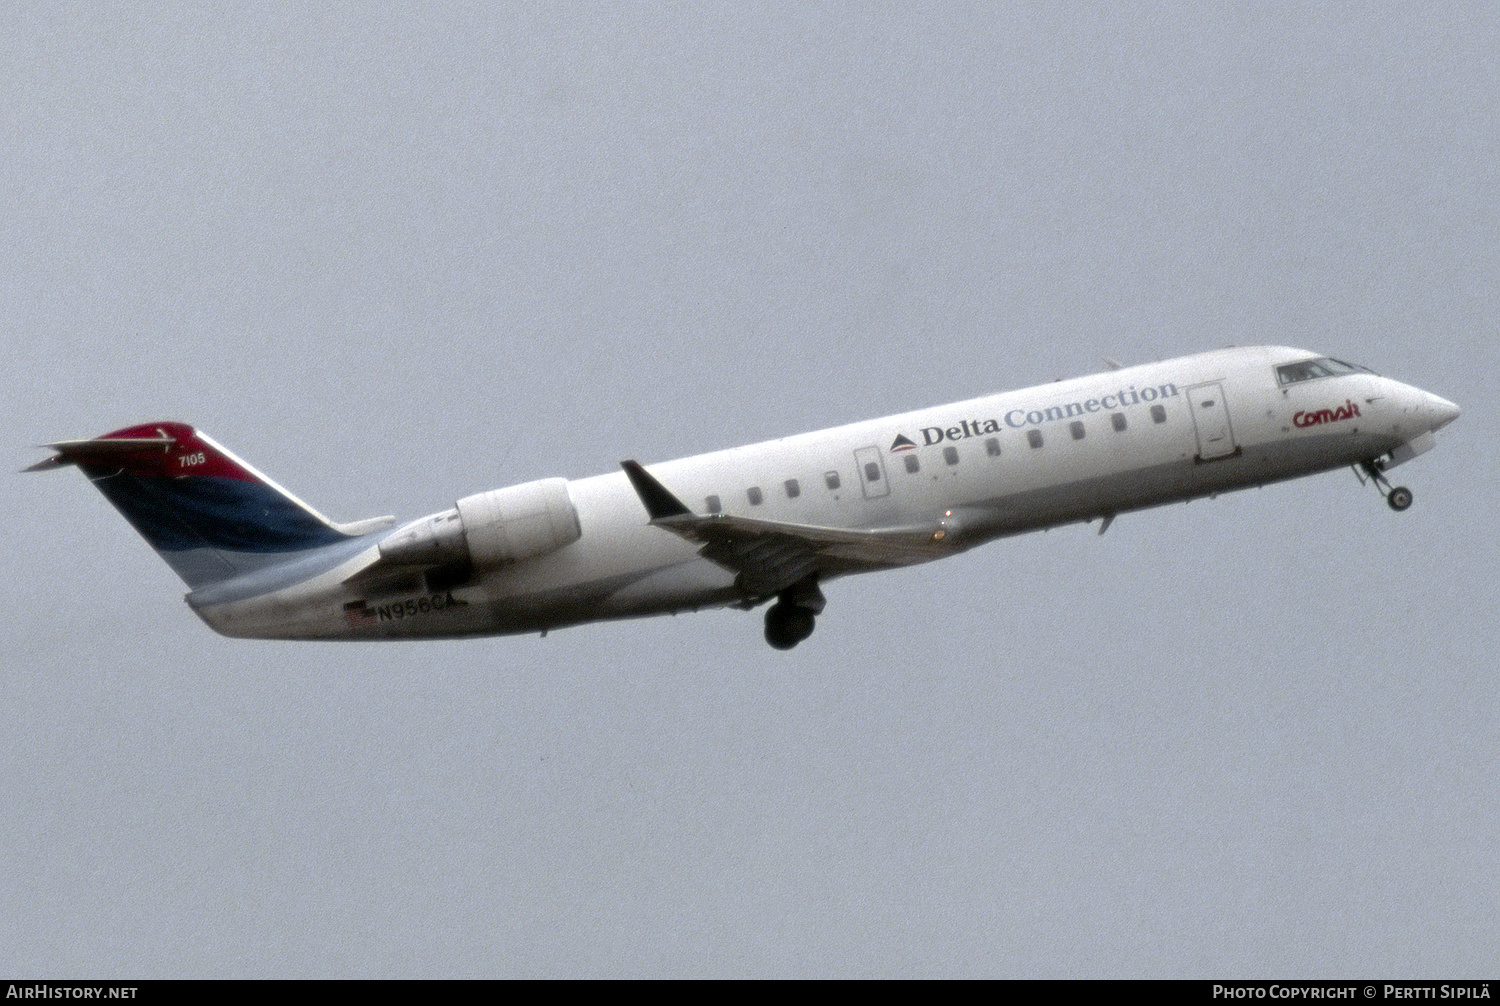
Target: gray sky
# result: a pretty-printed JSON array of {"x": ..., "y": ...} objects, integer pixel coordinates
[{"x": 394, "y": 257}]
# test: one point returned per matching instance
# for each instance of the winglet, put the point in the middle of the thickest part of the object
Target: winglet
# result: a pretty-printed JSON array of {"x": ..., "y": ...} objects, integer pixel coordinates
[{"x": 657, "y": 499}]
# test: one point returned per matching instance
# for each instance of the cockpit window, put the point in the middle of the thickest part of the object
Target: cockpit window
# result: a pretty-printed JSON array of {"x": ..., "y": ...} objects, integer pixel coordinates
[{"x": 1308, "y": 370}]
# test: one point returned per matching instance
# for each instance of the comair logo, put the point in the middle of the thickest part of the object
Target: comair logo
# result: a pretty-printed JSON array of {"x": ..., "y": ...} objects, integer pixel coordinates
[{"x": 1346, "y": 411}]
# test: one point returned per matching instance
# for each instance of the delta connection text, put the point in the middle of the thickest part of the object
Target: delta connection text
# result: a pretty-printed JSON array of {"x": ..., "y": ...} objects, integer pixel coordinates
[
  {"x": 1018, "y": 419},
  {"x": 1398, "y": 990}
]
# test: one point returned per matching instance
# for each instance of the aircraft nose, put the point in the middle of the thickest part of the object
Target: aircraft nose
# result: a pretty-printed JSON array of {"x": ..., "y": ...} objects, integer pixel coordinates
[{"x": 1442, "y": 411}]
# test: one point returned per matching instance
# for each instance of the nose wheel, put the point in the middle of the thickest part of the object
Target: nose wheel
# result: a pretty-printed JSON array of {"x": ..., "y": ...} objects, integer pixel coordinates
[{"x": 1398, "y": 498}]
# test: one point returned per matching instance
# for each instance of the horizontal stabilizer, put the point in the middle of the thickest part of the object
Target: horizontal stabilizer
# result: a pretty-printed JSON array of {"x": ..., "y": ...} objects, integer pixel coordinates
[
  {"x": 355, "y": 528},
  {"x": 70, "y": 452}
]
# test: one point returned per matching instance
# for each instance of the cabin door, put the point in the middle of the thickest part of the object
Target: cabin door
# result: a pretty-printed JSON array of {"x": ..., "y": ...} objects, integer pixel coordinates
[
  {"x": 871, "y": 468},
  {"x": 1211, "y": 421}
]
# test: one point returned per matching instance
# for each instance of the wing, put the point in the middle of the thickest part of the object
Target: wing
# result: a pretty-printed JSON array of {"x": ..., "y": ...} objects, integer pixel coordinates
[{"x": 770, "y": 556}]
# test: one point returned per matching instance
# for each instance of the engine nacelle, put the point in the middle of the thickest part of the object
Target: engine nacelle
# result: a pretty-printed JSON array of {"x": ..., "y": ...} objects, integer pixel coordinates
[
  {"x": 491, "y": 529},
  {"x": 506, "y": 525}
]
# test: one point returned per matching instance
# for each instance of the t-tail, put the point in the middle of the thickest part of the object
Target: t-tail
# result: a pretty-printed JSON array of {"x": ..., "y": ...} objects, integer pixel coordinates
[{"x": 211, "y": 516}]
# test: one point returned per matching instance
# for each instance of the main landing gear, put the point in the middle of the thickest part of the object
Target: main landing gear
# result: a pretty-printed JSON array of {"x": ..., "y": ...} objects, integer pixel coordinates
[
  {"x": 1398, "y": 498},
  {"x": 795, "y": 614}
]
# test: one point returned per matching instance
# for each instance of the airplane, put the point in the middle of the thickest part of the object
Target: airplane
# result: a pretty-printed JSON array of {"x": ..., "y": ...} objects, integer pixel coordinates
[{"x": 769, "y": 522}]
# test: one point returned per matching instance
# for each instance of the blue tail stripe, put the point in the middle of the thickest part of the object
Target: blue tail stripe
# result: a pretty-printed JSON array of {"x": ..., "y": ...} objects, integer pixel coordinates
[{"x": 197, "y": 511}]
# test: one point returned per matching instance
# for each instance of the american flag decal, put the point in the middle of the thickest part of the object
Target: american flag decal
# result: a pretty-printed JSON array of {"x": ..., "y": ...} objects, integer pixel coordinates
[{"x": 356, "y": 614}]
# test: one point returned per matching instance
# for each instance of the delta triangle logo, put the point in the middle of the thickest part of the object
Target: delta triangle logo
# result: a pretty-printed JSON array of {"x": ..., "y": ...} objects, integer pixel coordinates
[{"x": 902, "y": 443}]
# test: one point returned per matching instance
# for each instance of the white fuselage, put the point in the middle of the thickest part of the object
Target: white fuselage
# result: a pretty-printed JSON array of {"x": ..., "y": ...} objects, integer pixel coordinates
[{"x": 1020, "y": 461}]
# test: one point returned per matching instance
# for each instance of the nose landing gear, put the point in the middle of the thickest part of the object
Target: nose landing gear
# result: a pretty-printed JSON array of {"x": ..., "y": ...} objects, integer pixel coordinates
[{"x": 1398, "y": 498}]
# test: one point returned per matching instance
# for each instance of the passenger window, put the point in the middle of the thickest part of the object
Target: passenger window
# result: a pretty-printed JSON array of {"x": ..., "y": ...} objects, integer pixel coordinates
[
  {"x": 1034, "y": 438},
  {"x": 793, "y": 490},
  {"x": 950, "y": 455},
  {"x": 1158, "y": 414},
  {"x": 992, "y": 447},
  {"x": 712, "y": 504},
  {"x": 912, "y": 464},
  {"x": 1117, "y": 420},
  {"x": 831, "y": 479},
  {"x": 753, "y": 494},
  {"x": 1076, "y": 428},
  {"x": 872, "y": 471}
]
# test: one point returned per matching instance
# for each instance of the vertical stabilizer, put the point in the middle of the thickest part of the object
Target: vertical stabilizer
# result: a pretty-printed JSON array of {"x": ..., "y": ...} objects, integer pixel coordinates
[{"x": 211, "y": 516}]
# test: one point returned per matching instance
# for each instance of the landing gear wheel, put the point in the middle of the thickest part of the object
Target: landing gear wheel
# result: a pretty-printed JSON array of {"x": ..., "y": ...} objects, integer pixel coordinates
[
  {"x": 1398, "y": 498},
  {"x": 787, "y": 625}
]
